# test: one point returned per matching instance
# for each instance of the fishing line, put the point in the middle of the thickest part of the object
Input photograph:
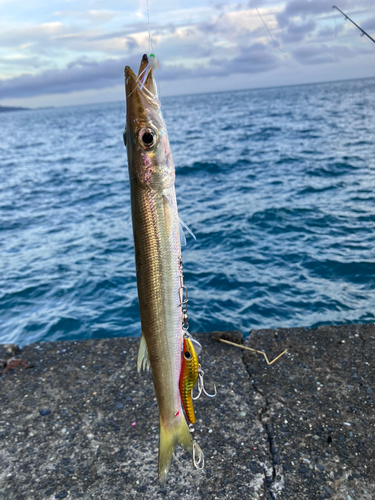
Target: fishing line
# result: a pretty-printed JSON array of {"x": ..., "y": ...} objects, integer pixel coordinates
[
  {"x": 254, "y": 350},
  {"x": 265, "y": 25},
  {"x": 153, "y": 64},
  {"x": 151, "y": 48}
]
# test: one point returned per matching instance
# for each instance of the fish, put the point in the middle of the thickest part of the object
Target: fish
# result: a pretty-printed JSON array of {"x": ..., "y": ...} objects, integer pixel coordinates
[
  {"x": 157, "y": 250},
  {"x": 188, "y": 377}
]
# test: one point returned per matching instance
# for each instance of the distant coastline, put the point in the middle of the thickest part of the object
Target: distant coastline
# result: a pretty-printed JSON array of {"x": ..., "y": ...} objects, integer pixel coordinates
[
  {"x": 4, "y": 109},
  {"x": 16, "y": 108}
]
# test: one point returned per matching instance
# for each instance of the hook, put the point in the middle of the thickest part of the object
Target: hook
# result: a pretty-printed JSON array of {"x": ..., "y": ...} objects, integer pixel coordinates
[
  {"x": 201, "y": 373},
  {"x": 201, "y": 386},
  {"x": 198, "y": 464}
]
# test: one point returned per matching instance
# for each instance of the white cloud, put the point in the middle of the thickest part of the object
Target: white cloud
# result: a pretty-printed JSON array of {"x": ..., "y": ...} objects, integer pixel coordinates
[
  {"x": 94, "y": 16},
  {"x": 192, "y": 39},
  {"x": 24, "y": 36}
]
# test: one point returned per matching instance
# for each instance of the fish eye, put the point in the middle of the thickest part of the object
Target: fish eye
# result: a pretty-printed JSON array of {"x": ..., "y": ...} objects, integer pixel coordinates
[
  {"x": 187, "y": 355},
  {"x": 147, "y": 137}
]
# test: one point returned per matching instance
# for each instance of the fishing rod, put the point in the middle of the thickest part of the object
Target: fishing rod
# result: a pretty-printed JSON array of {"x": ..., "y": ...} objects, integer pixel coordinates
[{"x": 355, "y": 24}]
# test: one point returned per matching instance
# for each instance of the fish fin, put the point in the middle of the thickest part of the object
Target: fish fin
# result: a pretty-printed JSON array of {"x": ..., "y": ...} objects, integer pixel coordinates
[
  {"x": 182, "y": 236},
  {"x": 182, "y": 223},
  {"x": 170, "y": 436},
  {"x": 143, "y": 362}
]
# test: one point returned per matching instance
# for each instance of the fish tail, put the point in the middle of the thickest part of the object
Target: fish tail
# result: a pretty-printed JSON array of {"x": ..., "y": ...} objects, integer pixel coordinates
[{"x": 169, "y": 438}]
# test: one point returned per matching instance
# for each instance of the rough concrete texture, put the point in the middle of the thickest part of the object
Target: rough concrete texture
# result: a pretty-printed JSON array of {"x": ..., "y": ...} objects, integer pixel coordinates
[
  {"x": 318, "y": 410},
  {"x": 81, "y": 423}
]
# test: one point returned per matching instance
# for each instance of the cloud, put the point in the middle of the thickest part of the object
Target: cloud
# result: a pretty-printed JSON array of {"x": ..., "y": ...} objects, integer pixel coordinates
[
  {"x": 369, "y": 26},
  {"x": 330, "y": 32},
  {"x": 86, "y": 50},
  {"x": 95, "y": 43},
  {"x": 299, "y": 19},
  {"x": 321, "y": 54},
  {"x": 312, "y": 55},
  {"x": 20, "y": 61},
  {"x": 84, "y": 75},
  {"x": 305, "y": 7},
  {"x": 77, "y": 76},
  {"x": 95, "y": 16},
  {"x": 253, "y": 59},
  {"x": 30, "y": 34},
  {"x": 295, "y": 31}
]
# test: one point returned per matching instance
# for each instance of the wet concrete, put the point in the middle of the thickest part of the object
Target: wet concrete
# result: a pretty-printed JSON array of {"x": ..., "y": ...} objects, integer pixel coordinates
[{"x": 79, "y": 422}]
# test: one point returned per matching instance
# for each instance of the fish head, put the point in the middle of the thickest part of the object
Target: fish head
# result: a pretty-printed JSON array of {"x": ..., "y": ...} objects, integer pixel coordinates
[
  {"x": 190, "y": 358},
  {"x": 145, "y": 136}
]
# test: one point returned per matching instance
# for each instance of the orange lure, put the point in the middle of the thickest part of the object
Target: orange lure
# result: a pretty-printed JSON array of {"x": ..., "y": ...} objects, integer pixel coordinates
[{"x": 188, "y": 377}]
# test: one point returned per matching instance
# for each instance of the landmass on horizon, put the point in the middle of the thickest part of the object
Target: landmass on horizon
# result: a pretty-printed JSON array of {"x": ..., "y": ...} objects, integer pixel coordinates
[
  {"x": 4, "y": 109},
  {"x": 12, "y": 108}
]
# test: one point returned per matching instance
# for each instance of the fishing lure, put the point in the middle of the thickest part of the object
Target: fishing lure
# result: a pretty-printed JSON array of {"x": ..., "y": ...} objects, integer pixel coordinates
[
  {"x": 189, "y": 374},
  {"x": 191, "y": 371}
]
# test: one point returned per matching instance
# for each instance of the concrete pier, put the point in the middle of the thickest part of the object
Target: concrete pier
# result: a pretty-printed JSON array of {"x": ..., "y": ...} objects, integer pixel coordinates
[{"x": 80, "y": 422}]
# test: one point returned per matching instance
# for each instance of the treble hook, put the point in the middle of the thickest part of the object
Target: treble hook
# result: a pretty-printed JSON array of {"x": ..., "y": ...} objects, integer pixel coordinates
[
  {"x": 198, "y": 464},
  {"x": 201, "y": 386}
]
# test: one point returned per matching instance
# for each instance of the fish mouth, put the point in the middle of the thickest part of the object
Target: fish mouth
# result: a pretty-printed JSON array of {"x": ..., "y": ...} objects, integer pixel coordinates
[{"x": 143, "y": 85}]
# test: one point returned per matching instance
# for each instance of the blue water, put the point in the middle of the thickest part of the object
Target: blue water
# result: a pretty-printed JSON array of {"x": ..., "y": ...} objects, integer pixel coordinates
[{"x": 277, "y": 184}]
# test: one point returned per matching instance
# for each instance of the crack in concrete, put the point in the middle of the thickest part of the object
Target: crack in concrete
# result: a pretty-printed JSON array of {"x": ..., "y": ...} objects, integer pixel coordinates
[{"x": 273, "y": 486}]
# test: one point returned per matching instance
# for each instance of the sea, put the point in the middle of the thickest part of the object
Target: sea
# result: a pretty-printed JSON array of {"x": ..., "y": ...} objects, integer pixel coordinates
[{"x": 277, "y": 184}]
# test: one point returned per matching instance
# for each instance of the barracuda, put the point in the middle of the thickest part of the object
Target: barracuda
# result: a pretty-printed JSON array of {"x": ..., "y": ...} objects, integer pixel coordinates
[{"x": 157, "y": 255}]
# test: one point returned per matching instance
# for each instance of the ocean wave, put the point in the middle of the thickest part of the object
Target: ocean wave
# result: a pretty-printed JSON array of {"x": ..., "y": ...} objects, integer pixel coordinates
[{"x": 275, "y": 183}]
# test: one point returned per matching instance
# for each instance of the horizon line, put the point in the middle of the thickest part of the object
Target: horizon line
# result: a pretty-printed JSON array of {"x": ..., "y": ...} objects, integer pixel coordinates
[{"x": 197, "y": 93}]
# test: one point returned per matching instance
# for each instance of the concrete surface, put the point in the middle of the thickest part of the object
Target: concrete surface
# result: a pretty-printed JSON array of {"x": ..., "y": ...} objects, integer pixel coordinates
[{"x": 79, "y": 422}]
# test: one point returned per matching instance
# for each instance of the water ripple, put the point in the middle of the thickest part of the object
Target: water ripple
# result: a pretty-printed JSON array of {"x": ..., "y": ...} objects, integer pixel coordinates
[{"x": 277, "y": 185}]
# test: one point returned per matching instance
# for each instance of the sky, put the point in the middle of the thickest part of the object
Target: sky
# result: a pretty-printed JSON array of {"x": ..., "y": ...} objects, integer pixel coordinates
[{"x": 69, "y": 52}]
